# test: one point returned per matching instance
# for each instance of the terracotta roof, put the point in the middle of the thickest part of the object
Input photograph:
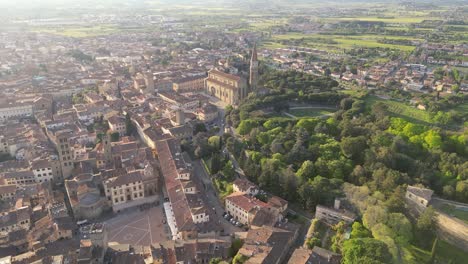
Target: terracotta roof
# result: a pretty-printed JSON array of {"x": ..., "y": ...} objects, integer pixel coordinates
[
  {"x": 225, "y": 75},
  {"x": 131, "y": 177},
  {"x": 7, "y": 189},
  {"x": 244, "y": 184},
  {"x": 300, "y": 256},
  {"x": 245, "y": 202}
]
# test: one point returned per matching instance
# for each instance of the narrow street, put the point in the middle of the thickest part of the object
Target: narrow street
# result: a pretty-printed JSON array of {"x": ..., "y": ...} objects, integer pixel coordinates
[{"x": 212, "y": 196}]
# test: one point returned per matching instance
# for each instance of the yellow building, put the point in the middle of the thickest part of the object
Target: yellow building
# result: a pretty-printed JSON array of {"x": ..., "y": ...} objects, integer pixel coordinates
[
  {"x": 229, "y": 88},
  {"x": 189, "y": 84}
]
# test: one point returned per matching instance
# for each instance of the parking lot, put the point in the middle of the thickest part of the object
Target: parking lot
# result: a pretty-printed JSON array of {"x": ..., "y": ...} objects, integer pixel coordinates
[{"x": 143, "y": 227}]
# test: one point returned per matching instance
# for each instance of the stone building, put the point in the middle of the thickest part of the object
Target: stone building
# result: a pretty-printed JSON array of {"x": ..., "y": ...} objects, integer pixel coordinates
[
  {"x": 419, "y": 196},
  {"x": 117, "y": 124},
  {"x": 334, "y": 215},
  {"x": 229, "y": 88},
  {"x": 65, "y": 151},
  {"x": 189, "y": 84},
  {"x": 253, "y": 81},
  {"x": 84, "y": 197}
]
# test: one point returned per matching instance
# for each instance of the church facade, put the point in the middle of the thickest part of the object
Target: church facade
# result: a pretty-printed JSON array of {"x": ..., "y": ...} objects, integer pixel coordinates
[{"x": 230, "y": 88}]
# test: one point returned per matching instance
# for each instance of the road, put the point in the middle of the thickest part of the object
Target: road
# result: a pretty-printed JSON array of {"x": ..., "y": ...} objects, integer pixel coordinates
[{"x": 212, "y": 197}]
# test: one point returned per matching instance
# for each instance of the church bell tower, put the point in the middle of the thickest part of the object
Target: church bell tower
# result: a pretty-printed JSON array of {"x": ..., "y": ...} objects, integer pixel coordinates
[{"x": 253, "y": 70}]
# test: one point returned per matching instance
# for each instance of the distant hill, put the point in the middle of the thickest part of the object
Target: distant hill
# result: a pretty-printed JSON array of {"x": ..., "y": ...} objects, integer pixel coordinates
[{"x": 91, "y": 4}]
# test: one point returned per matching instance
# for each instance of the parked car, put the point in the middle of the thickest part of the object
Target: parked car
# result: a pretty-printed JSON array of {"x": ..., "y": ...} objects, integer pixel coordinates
[{"x": 238, "y": 224}]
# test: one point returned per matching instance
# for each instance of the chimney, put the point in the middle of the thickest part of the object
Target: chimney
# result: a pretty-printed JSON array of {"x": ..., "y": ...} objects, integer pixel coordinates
[{"x": 337, "y": 203}]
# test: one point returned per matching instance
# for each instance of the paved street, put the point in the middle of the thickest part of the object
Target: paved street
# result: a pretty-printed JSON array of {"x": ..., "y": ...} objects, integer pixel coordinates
[{"x": 212, "y": 197}]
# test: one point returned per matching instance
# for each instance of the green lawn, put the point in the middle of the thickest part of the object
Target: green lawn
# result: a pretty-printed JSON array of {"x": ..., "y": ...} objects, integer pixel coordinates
[
  {"x": 271, "y": 45},
  {"x": 446, "y": 252},
  {"x": 401, "y": 109},
  {"x": 312, "y": 112}
]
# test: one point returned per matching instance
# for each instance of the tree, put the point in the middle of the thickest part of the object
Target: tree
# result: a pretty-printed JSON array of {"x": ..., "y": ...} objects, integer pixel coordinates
[
  {"x": 359, "y": 231},
  {"x": 235, "y": 246},
  {"x": 365, "y": 250},
  {"x": 215, "y": 163},
  {"x": 461, "y": 191},
  {"x": 306, "y": 171},
  {"x": 215, "y": 142},
  {"x": 129, "y": 126},
  {"x": 215, "y": 261},
  {"x": 396, "y": 200},
  {"x": 338, "y": 238},
  {"x": 228, "y": 170},
  {"x": 346, "y": 103},
  {"x": 374, "y": 214},
  {"x": 114, "y": 136},
  {"x": 239, "y": 259},
  {"x": 245, "y": 126},
  {"x": 308, "y": 124},
  {"x": 400, "y": 226},
  {"x": 353, "y": 147},
  {"x": 425, "y": 227},
  {"x": 288, "y": 183},
  {"x": 312, "y": 242},
  {"x": 198, "y": 128}
]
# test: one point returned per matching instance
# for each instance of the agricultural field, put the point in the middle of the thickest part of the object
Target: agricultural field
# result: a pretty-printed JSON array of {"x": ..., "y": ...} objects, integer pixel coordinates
[
  {"x": 79, "y": 32},
  {"x": 388, "y": 19},
  {"x": 339, "y": 42},
  {"x": 401, "y": 109}
]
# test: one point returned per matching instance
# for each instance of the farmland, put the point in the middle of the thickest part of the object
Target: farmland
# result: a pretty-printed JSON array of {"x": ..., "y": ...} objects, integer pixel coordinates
[
  {"x": 337, "y": 42},
  {"x": 79, "y": 31},
  {"x": 401, "y": 109}
]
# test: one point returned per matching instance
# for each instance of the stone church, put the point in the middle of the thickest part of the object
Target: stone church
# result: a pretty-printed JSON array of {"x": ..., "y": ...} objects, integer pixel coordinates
[{"x": 230, "y": 88}]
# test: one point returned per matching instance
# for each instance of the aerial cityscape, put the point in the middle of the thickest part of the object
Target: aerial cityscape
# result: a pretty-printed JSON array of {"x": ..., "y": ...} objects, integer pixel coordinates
[{"x": 234, "y": 131}]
